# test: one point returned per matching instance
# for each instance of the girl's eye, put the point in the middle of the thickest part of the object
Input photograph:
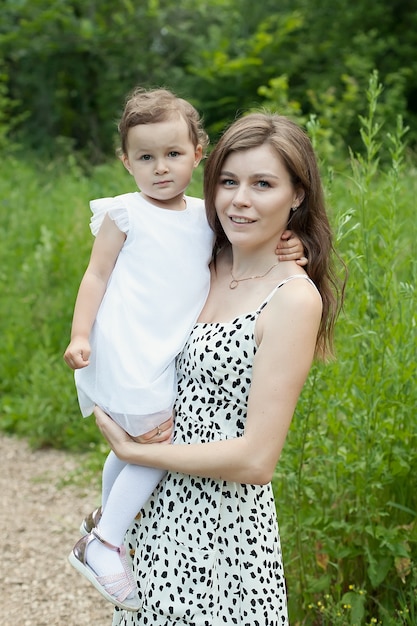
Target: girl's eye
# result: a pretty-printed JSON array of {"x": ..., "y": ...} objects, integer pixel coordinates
[
  {"x": 145, "y": 157},
  {"x": 173, "y": 153}
]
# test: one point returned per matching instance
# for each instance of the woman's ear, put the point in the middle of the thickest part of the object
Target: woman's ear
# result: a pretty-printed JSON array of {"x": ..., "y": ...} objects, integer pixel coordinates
[{"x": 299, "y": 197}]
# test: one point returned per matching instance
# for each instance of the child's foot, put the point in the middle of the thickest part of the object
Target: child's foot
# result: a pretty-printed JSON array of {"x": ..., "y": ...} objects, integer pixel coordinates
[
  {"x": 103, "y": 560},
  {"x": 111, "y": 575}
]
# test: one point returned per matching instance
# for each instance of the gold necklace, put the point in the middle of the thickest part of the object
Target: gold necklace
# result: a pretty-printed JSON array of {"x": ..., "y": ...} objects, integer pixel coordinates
[{"x": 235, "y": 281}]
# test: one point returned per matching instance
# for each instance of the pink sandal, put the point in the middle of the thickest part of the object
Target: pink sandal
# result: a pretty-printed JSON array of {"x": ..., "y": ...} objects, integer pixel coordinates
[
  {"x": 116, "y": 587},
  {"x": 91, "y": 521}
]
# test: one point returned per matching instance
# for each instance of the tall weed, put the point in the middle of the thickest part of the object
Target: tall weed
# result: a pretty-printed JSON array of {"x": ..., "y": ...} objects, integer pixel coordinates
[{"x": 346, "y": 483}]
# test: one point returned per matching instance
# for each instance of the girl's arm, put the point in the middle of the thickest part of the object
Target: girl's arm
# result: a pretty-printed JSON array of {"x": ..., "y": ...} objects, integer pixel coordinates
[
  {"x": 290, "y": 248},
  {"x": 106, "y": 248},
  {"x": 287, "y": 331}
]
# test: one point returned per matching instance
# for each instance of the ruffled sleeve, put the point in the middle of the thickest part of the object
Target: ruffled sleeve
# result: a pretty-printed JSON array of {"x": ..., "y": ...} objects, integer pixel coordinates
[{"x": 116, "y": 210}]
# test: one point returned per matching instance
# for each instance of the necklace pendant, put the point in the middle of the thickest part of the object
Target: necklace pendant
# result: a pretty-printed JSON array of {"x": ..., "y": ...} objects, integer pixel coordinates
[{"x": 233, "y": 284}]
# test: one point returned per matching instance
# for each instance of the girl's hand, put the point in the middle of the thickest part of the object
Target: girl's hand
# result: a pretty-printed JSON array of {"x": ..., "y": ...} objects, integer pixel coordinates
[
  {"x": 77, "y": 354},
  {"x": 290, "y": 248}
]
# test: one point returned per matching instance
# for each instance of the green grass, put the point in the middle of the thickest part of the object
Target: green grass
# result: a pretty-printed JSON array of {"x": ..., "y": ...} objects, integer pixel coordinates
[
  {"x": 346, "y": 483},
  {"x": 45, "y": 248}
]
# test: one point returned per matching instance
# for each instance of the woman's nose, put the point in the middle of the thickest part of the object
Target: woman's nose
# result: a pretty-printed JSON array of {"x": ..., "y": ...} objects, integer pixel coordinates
[{"x": 241, "y": 196}]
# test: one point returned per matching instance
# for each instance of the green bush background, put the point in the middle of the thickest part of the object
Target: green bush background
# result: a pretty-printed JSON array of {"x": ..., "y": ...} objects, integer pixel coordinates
[
  {"x": 65, "y": 65},
  {"x": 346, "y": 483}
]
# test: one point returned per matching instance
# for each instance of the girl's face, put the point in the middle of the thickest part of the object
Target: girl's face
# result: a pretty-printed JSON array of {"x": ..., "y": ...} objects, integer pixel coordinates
[
  {"x": 161, "y": 158},
  {"x": 254, "y": 197}
]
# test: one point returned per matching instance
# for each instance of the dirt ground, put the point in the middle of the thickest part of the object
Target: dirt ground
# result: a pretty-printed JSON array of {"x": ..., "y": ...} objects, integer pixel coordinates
[{"x": 39, "y": 521}]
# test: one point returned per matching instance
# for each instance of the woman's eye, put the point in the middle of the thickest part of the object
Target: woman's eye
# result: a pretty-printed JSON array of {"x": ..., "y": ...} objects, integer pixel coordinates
[
  {"x": 227, "y": 182},
  {"x": 263, "y": 184}
]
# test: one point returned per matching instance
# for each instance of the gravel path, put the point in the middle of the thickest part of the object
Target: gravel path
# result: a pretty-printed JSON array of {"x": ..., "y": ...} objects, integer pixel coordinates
[{"x": 39, "y": 521}]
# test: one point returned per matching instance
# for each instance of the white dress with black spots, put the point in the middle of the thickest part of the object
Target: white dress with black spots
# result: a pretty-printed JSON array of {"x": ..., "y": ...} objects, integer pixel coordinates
[{"x": 207, "y": 552}]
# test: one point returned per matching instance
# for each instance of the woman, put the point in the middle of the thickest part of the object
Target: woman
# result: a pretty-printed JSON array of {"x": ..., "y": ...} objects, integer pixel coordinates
[{"x": 206, "y": 547}]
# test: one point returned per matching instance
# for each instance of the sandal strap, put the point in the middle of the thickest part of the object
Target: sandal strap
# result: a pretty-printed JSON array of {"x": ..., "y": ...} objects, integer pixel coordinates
[
  {"x": 108, "y": 545},
  {"x": 117, "y": 585}
]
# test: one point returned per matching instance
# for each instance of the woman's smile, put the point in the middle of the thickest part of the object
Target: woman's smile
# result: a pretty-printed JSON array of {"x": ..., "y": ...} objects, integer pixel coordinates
[
  {"x": 241, "y": 220},
  {"x": 254, "y": 196}
]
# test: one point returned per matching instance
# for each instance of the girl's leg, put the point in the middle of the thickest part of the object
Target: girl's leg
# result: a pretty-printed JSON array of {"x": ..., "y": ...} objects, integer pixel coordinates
[
  {"x": 111, "y": 470},
  {"x": 131, "y": 489}
]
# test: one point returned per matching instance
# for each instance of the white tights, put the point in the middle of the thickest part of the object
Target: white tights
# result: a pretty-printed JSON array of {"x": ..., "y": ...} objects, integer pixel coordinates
[{"x": 125, "y": 489}]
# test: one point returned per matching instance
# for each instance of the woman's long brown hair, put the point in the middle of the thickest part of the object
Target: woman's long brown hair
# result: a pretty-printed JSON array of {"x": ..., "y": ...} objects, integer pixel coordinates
[{"x": 309, "y": 222}]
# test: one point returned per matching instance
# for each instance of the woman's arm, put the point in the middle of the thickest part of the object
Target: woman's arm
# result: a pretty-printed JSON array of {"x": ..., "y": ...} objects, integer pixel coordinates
[
  {"x": 106, "y": 248},
  {"x": 287, "y": 330}
]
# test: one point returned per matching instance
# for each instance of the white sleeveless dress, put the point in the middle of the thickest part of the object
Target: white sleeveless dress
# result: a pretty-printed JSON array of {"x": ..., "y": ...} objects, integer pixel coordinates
[
  {"x": 207, "y": 552},
  {"x": 155, "y": 293}
]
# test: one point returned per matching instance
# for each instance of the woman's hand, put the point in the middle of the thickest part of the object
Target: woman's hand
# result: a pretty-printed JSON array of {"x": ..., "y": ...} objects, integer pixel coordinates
[
  {"x": 123, "y": 444},
  {"x": 161, "y": 434}
]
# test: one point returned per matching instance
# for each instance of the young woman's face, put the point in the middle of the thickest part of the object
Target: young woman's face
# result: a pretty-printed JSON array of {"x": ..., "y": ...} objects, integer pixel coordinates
[
  {"x": 161, "y": 158},
  {"x": 254, "y": 196}
]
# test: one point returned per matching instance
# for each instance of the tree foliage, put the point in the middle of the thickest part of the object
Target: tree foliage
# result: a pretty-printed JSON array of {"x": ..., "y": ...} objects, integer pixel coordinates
[{"x": 68, "y": 64}]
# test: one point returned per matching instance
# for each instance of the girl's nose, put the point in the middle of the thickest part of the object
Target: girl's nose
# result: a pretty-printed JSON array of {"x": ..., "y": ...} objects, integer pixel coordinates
[{"x": 161, "y": 166}]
